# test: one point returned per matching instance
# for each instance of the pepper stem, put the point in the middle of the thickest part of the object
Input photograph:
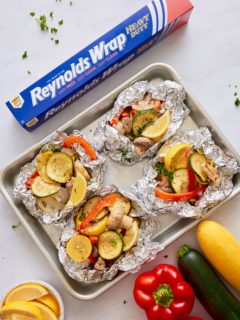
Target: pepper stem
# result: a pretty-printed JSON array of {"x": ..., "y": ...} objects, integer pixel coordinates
[
  {"x": 163, "y": 295},
  {"x": 183, "y": 250}
]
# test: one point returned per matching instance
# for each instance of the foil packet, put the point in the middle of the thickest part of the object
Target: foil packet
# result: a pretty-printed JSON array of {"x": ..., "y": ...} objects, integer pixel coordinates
[
  {"x": 119, "y": 147},
  {"x": 200, "y": 139},
  {"x": 131, "y": 261},
  {"x": 95, "y": 167}
]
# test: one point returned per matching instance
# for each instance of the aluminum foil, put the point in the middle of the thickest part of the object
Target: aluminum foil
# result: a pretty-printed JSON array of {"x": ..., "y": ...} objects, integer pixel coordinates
[
  {"x": 226, "y": 164},
  {"x": 95, "y": 167},
  {"x": 119, "y": 147},
  {"x": 145, "y": 250}
]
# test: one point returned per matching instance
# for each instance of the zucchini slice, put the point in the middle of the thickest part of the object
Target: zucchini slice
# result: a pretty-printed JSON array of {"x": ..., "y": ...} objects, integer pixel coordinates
[
  {"x": 110, "y": 245},
  {"x": 180, "y": 181},
  {"x": 40, "y": 188},
  {"x": 141, "y": 119},
  {"x": 90, "y": 204},
  {"x": 60, "y": 167},
  {"x": 197, "y": 162},
  {"x": 122, "y": 202}
]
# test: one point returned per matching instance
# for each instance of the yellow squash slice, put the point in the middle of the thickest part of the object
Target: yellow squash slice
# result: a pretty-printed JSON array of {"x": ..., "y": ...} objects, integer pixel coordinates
[
  {"x": 94, "y": 229},
  {"x": 59, "y": 167},
  {"x": 79, "y": 248},
  {"x": 42, "y": 160},
  {"x": 41, "y": 188}
]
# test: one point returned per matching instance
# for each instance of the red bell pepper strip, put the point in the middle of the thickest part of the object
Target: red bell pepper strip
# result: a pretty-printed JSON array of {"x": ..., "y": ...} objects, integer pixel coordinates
[
  {"x": 163, "y": 294},
  {"x": 114, "y": 121},
  {"x": 180, "y": 196},
  {"x": 86, "y": 146},
  {"x": 93, "y": 239},
  {"x": 29, "y": 181},
  {"x": 92, "y": 259},
  {"x": 125, "y": 114},
  {"x": 192, "y": 181},
  {"x": 194, "y": 318},
  {"x": 106, "y": 201}
]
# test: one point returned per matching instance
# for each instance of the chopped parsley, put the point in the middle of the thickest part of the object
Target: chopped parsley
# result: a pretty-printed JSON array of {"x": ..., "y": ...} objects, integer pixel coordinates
[
  {"x": 42, "y": 21},
  {"x": 14, "y": 226},
  {"x": 160, "y": 169},
  {"x": 53, "y": 30},
  {"x": 24, "y": 55},
  {"x": 113, "y": 242},
  {"x": 51, "y": 14},
  {"x": 124, "y": 153},
  {"x": 56, "y": 150},
  {"x": 32, "y": 14},
  {"x": 60, "y": 22},
  {"x": 237, "y": 102},
  {"x": 82, "y": 215}
]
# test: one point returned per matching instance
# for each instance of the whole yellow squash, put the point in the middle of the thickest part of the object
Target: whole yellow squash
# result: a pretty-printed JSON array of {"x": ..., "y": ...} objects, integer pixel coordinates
[{"x": 221, "y": 249}]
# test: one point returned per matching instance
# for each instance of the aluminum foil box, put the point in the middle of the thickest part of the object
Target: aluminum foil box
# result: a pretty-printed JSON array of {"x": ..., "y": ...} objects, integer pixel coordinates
[{"x": 74, "y": 77}]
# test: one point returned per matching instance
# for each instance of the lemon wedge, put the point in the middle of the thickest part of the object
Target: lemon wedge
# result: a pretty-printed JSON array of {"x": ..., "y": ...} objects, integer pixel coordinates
[
  {"x": 50, "y": 302},
  {"x": 79, "y": 248},
  {"x": 159, "y": 127},
  {"x": 79, "y": 190},
  {"x": 19, "y": 317},
  {"x": 26, "y": 292},
  {"x": 131, "y": 236},
  {"x": 21, "y": 308},
  {"x": 175, "y": 157},
  {"x": 42, "y": 160},
  {"x": 47, "y": 313}
]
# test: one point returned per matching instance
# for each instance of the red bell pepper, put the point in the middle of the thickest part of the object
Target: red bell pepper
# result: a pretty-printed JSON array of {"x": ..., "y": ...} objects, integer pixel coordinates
[
  {"x": 164, "y": 294},
  {"x": 86, "y": 146},
  {"x": 194, "y": 318},
  {"x": 192, "y": 181},
  {"x": 180, "y": 196},
  {"x": 29, "y": 181},
  {"x": 106, "y": 201},
  {"x": 93, "y": 239},
  {"x": 114, "y": 121}
]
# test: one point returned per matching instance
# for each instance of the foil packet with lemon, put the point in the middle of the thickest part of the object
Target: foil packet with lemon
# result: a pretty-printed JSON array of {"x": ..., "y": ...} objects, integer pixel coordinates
[
  {"x": 60, "y": 177},
  {"x": 111, "y": 232},
  {"x": 144, "y": 116},
  {"x": 189, "y": 175}
]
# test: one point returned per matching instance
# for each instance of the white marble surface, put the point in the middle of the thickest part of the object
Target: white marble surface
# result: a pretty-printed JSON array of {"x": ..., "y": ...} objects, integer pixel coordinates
[{"x": 206, "y": 53}]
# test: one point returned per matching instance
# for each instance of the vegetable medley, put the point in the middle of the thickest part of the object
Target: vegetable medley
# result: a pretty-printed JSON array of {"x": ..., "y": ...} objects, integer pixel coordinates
[
  {"x": 184, "y": 174},
  {"x": 105, "y": 231},
  {"x": 60, "y": 179},
  {"x": 144, "y": 122}
]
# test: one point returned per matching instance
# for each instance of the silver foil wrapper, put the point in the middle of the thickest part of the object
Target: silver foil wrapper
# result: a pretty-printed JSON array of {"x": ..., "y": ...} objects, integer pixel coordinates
[
  {"x": 96, "y": 168},
  {"x": 119, "y": 147},
  {"x": 226, "y": 164},
  {"x": 144, "y": 251}
]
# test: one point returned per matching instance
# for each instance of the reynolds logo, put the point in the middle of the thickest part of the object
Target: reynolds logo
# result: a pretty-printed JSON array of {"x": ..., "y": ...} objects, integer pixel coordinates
[{"x": 97, "y": 53}]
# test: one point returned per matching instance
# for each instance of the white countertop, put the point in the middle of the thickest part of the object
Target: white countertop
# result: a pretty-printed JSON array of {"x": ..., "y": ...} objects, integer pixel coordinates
[{"x": 206, "y": 53}]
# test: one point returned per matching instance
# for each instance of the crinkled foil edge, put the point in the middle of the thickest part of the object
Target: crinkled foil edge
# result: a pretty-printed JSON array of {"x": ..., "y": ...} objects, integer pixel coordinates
[
  {"x": 226, "y": 164},
  {"x": 97, "y": 168},
  {"x": 144, "y": 251},
  {"x": 119, "y": 147}
]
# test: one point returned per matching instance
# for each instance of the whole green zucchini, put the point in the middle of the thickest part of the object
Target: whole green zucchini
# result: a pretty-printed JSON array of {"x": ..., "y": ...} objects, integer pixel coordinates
[{"x": 219, "y": 302}]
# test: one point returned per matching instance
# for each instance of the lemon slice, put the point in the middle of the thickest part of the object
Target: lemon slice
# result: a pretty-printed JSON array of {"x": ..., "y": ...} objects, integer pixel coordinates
[
  {"x": 159, "y": 127},
  {"x": 42, "y": 160},
  {"x": 47, "y": 313},
  {"x": 50, "y": 302},
  {"x": 94, "y": 229},
  {"x": 26, "y": 292},
  {"x": 79, "y": 248},
  {"x": 22, "y": 308},
  {"x": 175, "y": 157},
  {"x": 131, "y": 236},
  {"x": 79, "y": 190},
  {"x": 19, "y": 317}
]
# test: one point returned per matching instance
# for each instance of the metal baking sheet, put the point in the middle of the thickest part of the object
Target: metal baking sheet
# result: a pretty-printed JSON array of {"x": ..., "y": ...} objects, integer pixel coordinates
[{"x": 172, "y": 227}]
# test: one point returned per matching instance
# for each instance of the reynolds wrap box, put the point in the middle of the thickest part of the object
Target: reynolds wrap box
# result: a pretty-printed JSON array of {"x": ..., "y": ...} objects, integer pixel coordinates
[{"x": 69, "y": 81}]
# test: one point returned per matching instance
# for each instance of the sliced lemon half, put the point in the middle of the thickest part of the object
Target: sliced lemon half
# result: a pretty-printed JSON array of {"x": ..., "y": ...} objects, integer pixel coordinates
[
  {"x": 79, "y": 190},
  {"x": 131, "y": 236},
  {"x": 159, "y": 127},
  {"x": 175, "y": 157},
  {"x": 26, "y": 292},
  {"x": 79, "y": 248},
  {"x": 21, "y": 308},
  {"x": 47, "y": 313}
]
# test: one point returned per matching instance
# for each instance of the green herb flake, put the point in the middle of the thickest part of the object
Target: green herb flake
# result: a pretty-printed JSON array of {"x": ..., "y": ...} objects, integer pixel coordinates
[
  {"x": 160, "y": 169},
  {"x": 14, "y": 226},
  {"x": 29, "y": 72},
  {"x": 60, "y": 22},
  {"x": 124, "y": 153},
  {"x": 56, "y": 41},
  {"x": 51, "y": 14},
  {"x": 24, "y": 55},
  {"x": 113, "y": 242},
  {"x": 82, "y": 215},
  {"x": 56, "y": 150},
  {"x": 32, "y": 14},
  {"x": 42, "y": 21},
  {"x": 237, "y": 102},
  {"x": 170, "y": 176},
  {"x": 53, "y": 30}
]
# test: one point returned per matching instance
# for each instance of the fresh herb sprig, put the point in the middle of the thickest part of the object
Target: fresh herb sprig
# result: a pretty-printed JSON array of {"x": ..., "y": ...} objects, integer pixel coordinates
[{"x": 160, "y": 169}]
